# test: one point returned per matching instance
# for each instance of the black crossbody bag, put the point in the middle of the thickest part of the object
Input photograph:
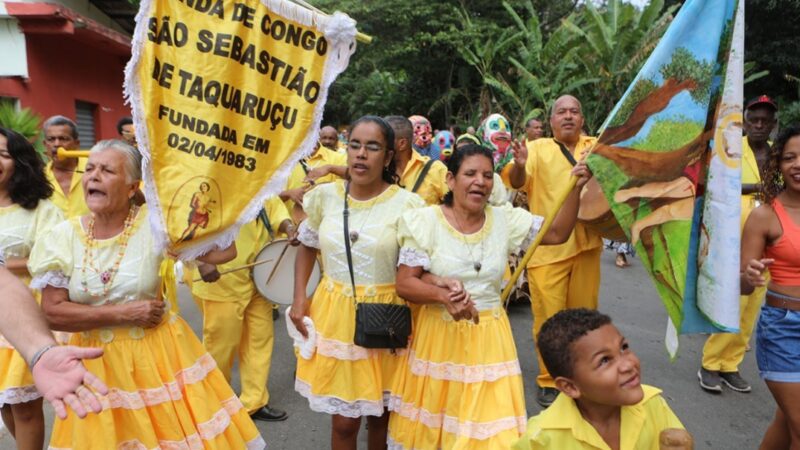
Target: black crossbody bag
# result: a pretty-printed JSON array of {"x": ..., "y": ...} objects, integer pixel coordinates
[{"x": 378, "y": 325}]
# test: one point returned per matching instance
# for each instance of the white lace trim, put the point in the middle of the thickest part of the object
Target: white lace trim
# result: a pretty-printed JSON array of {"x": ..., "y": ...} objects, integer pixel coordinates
[
  {"x": 344, "y": 351},
  {"x": 473, "y": 430},
  {"x": 462, "y": 372},
  {"x": 191, "y": 442},
  {"x": 536, "y": 226},
  {"x": 334, "y": 405},
  {"x": 412, "y": 257},
  {"x": 308, "y": 236},
  {"x": 171, "y": 391},
  {"x": 17, "y": 395},
  {"x": 55, "y": 278}
]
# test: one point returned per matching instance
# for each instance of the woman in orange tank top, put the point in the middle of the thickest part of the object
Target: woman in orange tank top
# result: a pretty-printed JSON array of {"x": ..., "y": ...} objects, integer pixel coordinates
[{"x": 771, "y": 240}]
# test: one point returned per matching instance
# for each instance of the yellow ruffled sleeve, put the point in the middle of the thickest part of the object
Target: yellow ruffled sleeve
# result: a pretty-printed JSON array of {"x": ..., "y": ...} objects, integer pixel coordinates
[
  {"x": 522, "y": 226},
  {"x": 414, "y": 236},
  {"x": 51, "y": 260},
  {"x": 47, "y": 217}
]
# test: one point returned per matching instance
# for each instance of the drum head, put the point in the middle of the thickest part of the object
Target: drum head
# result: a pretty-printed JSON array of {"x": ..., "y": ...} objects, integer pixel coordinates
[{"x": 278, "y": 287}]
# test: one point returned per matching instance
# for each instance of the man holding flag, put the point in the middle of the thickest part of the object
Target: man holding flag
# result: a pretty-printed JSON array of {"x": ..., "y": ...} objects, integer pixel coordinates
[{"x": 567, "y": 275}]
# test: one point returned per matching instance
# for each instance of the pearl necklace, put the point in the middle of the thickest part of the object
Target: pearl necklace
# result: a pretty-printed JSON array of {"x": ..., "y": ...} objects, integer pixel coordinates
[{"x": 106, "y": 276}]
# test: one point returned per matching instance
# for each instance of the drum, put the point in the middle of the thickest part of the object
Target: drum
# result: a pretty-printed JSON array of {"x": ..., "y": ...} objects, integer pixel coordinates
[
  {"x": 595, "y": 213},
  {"x": 274, "y": 280}
]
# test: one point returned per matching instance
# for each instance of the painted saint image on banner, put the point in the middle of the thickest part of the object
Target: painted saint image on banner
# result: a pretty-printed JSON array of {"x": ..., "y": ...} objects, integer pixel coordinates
[{"x": 198, "y": 205}]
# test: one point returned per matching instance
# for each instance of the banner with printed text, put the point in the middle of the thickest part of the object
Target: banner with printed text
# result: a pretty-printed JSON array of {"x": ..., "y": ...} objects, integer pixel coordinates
[
  {"x": 227, "y": 95},
  {"x": 668, "y": 163}
]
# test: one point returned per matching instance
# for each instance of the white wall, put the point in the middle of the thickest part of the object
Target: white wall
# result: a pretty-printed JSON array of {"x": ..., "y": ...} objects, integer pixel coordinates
[{"x": 13, "y": 59}]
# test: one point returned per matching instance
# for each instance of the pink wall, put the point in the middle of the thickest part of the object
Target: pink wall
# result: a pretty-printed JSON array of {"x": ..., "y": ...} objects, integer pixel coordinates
[{"x": 63, "y": 70}]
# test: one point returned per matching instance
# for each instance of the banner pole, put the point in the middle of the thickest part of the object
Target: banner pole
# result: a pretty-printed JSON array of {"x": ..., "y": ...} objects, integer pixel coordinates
[
  {"x": 548, "y": 221},
  {"x": 360, "y": 37}
]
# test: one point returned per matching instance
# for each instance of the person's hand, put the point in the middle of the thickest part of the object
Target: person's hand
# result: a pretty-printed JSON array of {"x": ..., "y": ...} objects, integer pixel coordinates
[
  {"x": 582, "y": 172},
  {"x": 299, "y": 311},
  {"x": 316, "y": 173},
  {"x": 453, "y": 285},
  {"x": 62, "y": 379},
  {"x": 291, "y": 235},
  {"x": 754, "y": 272},
  {"x": 520, "y": 153},
  {"x": 145, "y": 313},
  {"x": 208, "y": 272},
  {"x": 295, "y": 195},
  {"x": 675, "y": 439}
]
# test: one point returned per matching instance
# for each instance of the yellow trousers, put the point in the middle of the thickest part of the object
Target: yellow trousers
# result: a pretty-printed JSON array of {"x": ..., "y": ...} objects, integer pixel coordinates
[
  {"x": 568, "y": 284},
  {"x": 725, "y": 351},
  {"x": 242, "y": 328}
]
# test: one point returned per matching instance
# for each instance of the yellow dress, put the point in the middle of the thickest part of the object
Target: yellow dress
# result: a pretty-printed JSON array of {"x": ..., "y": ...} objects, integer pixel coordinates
[
  {"x": 461, "y": 384},
  {"x": 19, "y": 229},
  {"x": 341, "y": 377},
  {"x": 165, "y": 391}
]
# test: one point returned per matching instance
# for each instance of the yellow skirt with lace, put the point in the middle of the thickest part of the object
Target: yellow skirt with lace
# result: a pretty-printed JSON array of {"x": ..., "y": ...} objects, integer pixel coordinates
[
  {"x": 165, "y": 391},
  {"x": 341, "y": 377},
  {"x": 460, "y": 387}
]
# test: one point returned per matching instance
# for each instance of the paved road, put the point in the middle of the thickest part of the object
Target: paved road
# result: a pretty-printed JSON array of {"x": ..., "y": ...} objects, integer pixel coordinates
[{"x": 726, "y": 421}]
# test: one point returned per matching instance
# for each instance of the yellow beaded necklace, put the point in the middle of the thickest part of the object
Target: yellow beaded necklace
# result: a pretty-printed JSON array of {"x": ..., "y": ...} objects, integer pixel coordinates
[{"x": 106, "y": 276}]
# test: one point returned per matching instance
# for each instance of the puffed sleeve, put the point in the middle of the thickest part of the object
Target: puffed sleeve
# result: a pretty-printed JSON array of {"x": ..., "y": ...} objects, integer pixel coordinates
[
  {"x": 276, "y": 211},
  {"x": 47, "y": 217},
  {"x": 51, "y": 261},
  {"x": 499, "y": 195},
  {"x": 522, "y": 226},
  {"x": 414, "y": 239},
  {"x": 313, "y": 203}
]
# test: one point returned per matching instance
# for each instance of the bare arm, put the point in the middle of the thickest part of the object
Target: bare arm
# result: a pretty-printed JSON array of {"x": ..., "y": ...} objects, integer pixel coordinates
[
  {"x": 414, "y": 286},
  {"x": 217, "y": 257},
  {"x": 564, "y": 222},
  {"x": 303, "y": 266},
  {"x": 518, "y": 173},
  {"x": 27, "y": 328},
  {"x": 751, "y": 188},
  {"x": 64, "y": 315},
  {"x": 755, "y": 236},
  {"x": 17, "y": 266}
]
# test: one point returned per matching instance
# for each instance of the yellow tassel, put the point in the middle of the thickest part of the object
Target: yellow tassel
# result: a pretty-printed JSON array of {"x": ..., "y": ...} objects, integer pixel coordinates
[{"x": 168, "y": 290}]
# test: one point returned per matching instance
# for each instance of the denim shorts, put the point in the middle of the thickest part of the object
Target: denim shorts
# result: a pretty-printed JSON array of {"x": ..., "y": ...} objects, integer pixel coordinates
[{"x": 778, "y": 344}]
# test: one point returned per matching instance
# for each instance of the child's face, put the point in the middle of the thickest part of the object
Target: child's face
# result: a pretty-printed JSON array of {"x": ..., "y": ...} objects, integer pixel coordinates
[{"x": 605, "y": 370}]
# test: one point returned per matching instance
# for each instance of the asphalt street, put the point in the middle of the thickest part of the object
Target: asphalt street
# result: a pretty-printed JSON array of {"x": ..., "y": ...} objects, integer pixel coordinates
[{"x": 727, "y": 421}]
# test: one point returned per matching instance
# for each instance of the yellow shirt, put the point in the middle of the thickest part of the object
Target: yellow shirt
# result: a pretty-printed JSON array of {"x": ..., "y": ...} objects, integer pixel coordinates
[
  {"x": 252, "y": 237},
  {"x": 750, "y": 175},
  {"x": 323, "y": 156},
  {"x": 73, "y": 204},
  {"x": 561, "y": 426},
  {"x": 434, "y": 186},
  {"x": 547, "y": 173}
]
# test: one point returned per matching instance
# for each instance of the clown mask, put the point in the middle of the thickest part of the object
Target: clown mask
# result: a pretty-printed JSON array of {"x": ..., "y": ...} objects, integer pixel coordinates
[
  {"x": 496, "y": 133},
  {"x": 422, "y": 132},
  {"x": 443, "y": 143}
]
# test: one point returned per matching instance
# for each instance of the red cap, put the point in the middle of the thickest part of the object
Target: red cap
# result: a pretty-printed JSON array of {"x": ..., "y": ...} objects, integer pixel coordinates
[{"x": 761, "y": 100}]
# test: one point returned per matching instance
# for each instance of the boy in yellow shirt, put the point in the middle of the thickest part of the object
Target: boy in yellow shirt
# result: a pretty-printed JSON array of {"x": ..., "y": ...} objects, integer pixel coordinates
[{"x": 602, "y": 404}]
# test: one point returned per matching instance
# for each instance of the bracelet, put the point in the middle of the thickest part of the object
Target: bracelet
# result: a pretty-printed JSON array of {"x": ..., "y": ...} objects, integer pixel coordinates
[{"x": 38, "y": 355}]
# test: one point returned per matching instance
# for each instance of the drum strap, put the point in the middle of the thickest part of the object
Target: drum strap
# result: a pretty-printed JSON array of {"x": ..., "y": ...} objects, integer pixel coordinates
[
  {"x": 262, "y": 216},
  {"x": 422, "y": 175},
  {"x": 566, "y": 153},
  {"x": 346, "y": 217},
  {"x": 304, "y": 165}
]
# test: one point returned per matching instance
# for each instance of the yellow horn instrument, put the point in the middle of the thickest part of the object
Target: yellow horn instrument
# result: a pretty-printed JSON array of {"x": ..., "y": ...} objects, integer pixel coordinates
[{"x": 62, "y": 153}]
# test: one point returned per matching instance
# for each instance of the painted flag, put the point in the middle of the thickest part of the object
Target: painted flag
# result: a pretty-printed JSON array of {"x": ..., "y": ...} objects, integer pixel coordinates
[
  {"x": 227, "y": 96},
  {"x": 668, "y": 163}
]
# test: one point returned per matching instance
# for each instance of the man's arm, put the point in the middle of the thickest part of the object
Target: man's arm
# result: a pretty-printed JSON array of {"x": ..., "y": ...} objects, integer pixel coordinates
[{"x": 57, "y": 370}]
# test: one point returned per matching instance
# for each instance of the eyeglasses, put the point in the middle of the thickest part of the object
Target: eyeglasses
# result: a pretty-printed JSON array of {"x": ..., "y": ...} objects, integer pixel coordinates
[{"x": 370, "y": 146}]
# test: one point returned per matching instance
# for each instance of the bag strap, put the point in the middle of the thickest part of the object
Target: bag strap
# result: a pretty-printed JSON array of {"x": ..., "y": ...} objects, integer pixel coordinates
[
  {"x": 346, "y": 217},
  {"x": 422, "y": 175},
  {"x": 566, "y": 153},
  {"x": 262, "y": 216}
]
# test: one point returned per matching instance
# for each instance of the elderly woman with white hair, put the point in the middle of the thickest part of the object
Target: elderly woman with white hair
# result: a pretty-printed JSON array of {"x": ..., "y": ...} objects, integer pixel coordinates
[{"x": 99, "y": 279}]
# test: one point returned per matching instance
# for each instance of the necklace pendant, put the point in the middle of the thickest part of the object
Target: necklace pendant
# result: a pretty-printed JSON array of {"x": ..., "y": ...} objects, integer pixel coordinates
[
  {"x": 477, "y": 266},
  {"x": 353, "y": 237},
  {"x": 105, "y": 277}
]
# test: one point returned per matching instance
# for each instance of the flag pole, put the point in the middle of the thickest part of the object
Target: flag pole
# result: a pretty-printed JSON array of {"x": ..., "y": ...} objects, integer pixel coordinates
[
  {"x": 548, "y": 221},
  {"x": 360, "y": 37}
]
